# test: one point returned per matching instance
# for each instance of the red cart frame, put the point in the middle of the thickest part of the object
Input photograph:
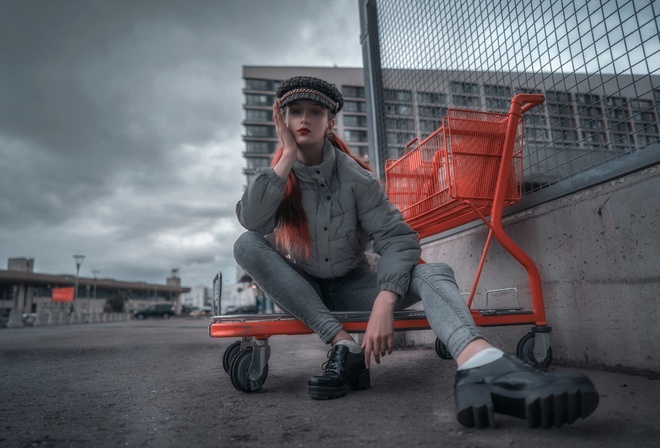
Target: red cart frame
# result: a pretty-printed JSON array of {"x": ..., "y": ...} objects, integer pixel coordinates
[{"x": 468, "y": 169}]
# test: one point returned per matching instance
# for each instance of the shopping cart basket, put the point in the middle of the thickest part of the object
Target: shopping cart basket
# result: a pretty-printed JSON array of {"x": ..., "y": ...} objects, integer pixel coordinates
[{"x": 468, "y": 169}]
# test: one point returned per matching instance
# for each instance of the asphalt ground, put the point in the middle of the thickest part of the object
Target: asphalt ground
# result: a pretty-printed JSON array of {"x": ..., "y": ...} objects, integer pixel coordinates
[{"x": 161, "y": 383}]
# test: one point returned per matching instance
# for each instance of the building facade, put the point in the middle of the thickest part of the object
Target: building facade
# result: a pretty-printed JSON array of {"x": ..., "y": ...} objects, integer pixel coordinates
[
  {"x": 23, "y": 291},
  {"x": 198, "y": 297},
  {"x": 573, "y": 130}
]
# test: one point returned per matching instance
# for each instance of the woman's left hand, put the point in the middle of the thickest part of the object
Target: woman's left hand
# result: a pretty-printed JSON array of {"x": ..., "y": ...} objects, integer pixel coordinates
[{"x": 379, "y": 335}]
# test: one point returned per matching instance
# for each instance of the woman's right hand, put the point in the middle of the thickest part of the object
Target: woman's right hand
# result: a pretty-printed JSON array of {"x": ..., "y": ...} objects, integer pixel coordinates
[{"x": 284, "y": 135}]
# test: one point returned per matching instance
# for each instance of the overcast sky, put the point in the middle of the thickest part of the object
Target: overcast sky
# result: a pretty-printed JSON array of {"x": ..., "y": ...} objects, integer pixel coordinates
[{"x": 120, "y": 125}]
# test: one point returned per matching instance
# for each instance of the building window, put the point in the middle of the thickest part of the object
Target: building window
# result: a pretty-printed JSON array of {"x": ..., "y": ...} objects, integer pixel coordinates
[
  {"x": 429, "y": 126},
  {"x": 526, "y": 90},
  {"x": 593, "y": 137},
  {"x": 588, "y": 99},
  {"x": 497, "y": 103},
  {"x": 399, "y": 123},
  {"x": 648, "y": 117},
  {"x": 400, "y": 138},
  {"x": 466, "y": 101},
  {"x": 594, "y": 124},
  {"x": 260, "y": 131},
  {"x": 258, "y": 115},
  {"x": 260, "y": 147},
  {"x": 257, "y": 162},
  {"x": 398, "y": 95},
  {"x": 355, "y": 136},
  {"x": 259, "y": 100},
  {"x": 616, "y": 113},
  {"x": 355, "y": 106},
  {"x": 464, "y": 87},
  {"x": 495, "y": 90},
  {"x": 533, "y": 118},
  {"x": 353, "y": 91},
  {"x": 562, "y": 135},
  {"x": 258, "y": 84},
  {"x": 398, "y": 109},
  {"x": 431, "y": 98},
  {"x": 356, "y": 121},
  {"x": 621, "y": 126},
  {"x": 558, "y": 109},
  {"x": 555, "y": 96},
  {"x": 432, "y": 111},
  {"x": 614, "y": 101},
  {"x": 362, "y": 151}
]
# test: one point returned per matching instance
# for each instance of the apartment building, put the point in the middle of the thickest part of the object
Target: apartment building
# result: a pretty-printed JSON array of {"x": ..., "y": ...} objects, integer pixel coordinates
[{"x": 575, "y": 128}]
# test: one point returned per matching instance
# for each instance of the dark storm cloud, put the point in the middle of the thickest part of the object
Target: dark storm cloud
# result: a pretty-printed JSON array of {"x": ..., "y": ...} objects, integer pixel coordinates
[{"x": 120, "y": 121}]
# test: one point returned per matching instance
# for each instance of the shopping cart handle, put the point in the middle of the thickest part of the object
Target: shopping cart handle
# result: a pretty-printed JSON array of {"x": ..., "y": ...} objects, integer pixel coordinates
[
  {"x": 416, "y": 139},
  {"x": 527, "y": 101}
]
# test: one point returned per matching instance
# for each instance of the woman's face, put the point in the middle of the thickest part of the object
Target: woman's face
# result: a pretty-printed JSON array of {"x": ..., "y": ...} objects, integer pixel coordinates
[{"x": 308, "y": 122}]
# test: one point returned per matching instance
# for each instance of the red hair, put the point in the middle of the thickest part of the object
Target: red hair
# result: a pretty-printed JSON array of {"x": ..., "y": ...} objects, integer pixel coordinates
[{"x": 292, "y": 233}]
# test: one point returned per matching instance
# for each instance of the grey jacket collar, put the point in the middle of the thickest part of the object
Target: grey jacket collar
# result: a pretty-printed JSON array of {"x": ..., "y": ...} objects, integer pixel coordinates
[{"x": 311, "y": 173}]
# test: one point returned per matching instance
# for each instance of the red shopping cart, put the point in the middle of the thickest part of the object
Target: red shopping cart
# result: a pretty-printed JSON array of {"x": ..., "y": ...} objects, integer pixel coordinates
[{"x": 469, "y": 169}]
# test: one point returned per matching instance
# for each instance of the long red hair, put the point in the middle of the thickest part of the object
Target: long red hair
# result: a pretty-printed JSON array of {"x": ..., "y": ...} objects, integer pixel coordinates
[{"x": 292, "y": 233}]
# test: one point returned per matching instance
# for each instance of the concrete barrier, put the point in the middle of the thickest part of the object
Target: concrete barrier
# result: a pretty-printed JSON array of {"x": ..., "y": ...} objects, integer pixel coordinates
[
  {"x": 42, "y": 318},
  {"x": 597, "y": 253},
  {"x": 15, "y": 319}
]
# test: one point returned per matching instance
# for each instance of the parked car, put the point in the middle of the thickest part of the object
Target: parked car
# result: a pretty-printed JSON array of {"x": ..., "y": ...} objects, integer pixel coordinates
[{"x": 164, "y": 310}]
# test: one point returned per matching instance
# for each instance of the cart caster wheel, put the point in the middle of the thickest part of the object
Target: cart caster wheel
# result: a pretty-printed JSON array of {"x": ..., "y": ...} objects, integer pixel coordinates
[
  {"x": 239, "y": 372},
  {"x": 525, "y": 351},
  {"x": 441, "y": 349},
  {"x": 230, "y": 354}
]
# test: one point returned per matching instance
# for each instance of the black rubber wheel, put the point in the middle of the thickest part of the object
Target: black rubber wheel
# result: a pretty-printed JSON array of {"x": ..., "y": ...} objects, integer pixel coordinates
[
  {"x": 230, "y": 354},
  {"x": 166, "y": 315},
  {"x": 239, "y": 372},
  {"x": 139, "y": 316},
  {"x": 525, "y": 351},
  {"x": 441, "y": 350}
]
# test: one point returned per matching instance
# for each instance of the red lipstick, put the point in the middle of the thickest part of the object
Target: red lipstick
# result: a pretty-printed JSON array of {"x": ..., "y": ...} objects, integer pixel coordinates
[{"x": 303, "y": 131}]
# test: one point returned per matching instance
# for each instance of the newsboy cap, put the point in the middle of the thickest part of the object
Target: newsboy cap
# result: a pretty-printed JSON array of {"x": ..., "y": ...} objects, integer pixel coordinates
[{"x": 310, "y": 88}]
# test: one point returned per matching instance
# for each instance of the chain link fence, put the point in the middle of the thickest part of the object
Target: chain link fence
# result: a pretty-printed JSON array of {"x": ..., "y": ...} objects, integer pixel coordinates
[{"x": 596, "y": 62}]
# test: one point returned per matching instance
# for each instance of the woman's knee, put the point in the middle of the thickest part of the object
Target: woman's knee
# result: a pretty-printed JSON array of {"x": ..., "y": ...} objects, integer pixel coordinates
[
  {"x": 427, "y": 270},
  {"x": 247, "y": 243}
]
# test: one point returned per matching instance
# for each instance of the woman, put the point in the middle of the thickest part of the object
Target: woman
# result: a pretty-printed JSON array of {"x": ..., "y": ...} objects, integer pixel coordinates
[{"x": 309, "y": 218}]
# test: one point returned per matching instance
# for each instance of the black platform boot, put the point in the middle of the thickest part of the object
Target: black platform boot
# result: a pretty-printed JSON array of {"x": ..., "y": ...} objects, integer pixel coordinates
[
  {"x": 342, "y": 370},
  {"x": 509, "y": 386}
]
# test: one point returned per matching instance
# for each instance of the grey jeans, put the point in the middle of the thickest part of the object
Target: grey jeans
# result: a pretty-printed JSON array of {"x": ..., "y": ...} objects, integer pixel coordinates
[{"x": 312, "y": 299}]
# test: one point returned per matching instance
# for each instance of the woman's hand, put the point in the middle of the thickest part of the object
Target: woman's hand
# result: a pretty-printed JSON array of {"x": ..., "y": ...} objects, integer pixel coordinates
[
  {"x": 283, "y": 133},
  {"x": 379, "y": 335}
]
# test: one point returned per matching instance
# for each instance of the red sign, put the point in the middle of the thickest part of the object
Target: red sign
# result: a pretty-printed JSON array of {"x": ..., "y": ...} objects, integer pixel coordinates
[{"x": 63, "y": 294}]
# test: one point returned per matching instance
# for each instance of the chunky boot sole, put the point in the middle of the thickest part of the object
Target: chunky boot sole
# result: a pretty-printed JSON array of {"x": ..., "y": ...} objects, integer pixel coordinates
[
  {"x": 361, "y": 380},
  {"x": 550, "y": 405}
]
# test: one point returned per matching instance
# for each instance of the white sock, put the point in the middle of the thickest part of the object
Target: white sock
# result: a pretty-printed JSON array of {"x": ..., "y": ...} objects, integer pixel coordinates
[
  {"x": 484, "y": 357},
  {"x": 353, "y": 346}
]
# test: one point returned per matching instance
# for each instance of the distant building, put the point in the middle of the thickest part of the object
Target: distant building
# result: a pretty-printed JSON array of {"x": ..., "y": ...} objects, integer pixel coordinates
[
  {"x": 198, "y": 297},
  {"x": 238, "y": 297},
  {"x": 575, "y": 128},
  {"x": 29, "y": 292}
]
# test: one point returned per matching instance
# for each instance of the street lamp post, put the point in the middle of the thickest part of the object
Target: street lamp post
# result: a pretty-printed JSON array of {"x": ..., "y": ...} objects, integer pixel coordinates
[
  {"x": 96, "y": 273},
  {"x": 89, "y": 314},
  {"x": 79, "y": 259}
]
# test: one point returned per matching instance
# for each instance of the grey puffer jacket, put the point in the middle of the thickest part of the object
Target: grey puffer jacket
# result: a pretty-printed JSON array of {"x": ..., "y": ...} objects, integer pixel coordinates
[{"x": 346, "y": 207}]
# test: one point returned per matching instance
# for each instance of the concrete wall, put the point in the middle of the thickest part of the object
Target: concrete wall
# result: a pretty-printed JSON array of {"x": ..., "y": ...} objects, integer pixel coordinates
[{"x": 598, "y": 252}]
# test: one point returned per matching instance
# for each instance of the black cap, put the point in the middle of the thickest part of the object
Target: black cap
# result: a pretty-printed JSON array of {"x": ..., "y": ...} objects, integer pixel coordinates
[{"x": 310, "y": 88}]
